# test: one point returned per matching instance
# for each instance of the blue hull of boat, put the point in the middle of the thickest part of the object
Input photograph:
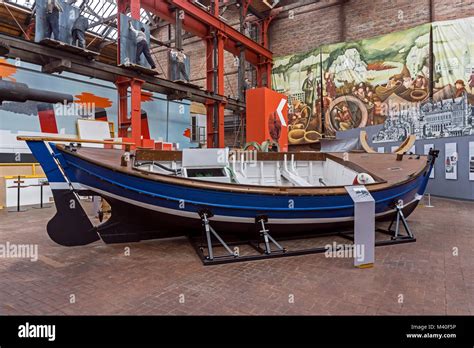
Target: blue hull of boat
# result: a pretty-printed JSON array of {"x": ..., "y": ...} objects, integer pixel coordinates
[{"x": 144, "y": 208}]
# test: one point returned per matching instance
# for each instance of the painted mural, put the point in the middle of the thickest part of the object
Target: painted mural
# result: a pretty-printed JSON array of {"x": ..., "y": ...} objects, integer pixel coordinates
[
  {"x": 384, "y": 81},
  {"x": 450, "y": 112},
  {"x": 299, "y": 77},
  {"x": 43, "y": 110},
  {"x": 362, "y": 80}
]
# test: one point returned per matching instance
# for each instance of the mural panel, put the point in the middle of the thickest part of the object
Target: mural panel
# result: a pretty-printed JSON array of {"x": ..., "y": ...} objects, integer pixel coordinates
[
  {"x": 451, "y": 110},
  {"x": 367, "y": 81},
  {"x": 299, "y": 77},
  {"x": 386, "y": 80}
]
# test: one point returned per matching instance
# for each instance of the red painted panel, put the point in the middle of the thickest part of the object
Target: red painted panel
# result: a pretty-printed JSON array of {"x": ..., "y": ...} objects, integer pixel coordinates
[
  {"x": 263, "y": 122},
  {"x": 144, "y": 126},
  {"x": 47, "y": 119}
]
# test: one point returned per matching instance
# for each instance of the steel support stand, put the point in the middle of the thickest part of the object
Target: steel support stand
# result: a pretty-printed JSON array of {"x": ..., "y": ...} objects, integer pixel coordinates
[
  {"x": 208, "y": 230},
  {"x": 267, "y": 238},
  {"x": 399, "y": 218}
]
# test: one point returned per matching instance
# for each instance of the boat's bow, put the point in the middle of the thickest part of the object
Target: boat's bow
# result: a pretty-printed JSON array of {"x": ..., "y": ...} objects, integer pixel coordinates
[{"x": 70, "y": 226}]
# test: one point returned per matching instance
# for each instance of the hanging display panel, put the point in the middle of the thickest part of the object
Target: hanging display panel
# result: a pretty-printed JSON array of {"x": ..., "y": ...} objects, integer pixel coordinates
[
  {"x": 450, "y": 161},
  {"x": 471, "y": 160},
  {"x": 426, "y": 151}
]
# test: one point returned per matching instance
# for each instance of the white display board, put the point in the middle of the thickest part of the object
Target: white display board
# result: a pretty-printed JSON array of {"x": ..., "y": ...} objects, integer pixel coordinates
[
  {"x": 426, "y": 151},
  {"x": 471, "y": 160},
  {"x": 364, "y": 225},
  {"x": 450, "y": 161},
  {"x": 380, "y": 149},
  {"x": 393, "y": 148},
  {"x": 28, "y": 195},
  {"x": 93, "y": 130}
]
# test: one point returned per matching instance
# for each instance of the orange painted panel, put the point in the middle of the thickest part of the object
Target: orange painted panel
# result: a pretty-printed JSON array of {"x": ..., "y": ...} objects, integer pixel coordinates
[
  {"x": 160, "y": 145},
  {"x": 263, "y": 121},
  {"x": 148, "y": 143}
]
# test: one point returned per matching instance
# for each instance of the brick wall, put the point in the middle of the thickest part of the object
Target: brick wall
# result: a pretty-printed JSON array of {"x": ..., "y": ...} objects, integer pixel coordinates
[
  {"x": 305, "y": 28},
  {"x": 329, "y": 21}
]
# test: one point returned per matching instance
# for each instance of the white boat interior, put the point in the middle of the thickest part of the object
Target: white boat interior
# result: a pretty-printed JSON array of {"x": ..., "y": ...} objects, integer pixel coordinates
[{"x": 218, "y": 165}]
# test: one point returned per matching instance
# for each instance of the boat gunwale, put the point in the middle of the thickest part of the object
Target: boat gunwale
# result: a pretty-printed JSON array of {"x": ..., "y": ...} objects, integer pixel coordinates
[
  {"x": 240, "y": 188},
  {"x": 263, "y": 156}
]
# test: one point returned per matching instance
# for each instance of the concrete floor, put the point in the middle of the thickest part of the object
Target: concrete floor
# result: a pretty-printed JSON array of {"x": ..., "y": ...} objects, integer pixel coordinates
[{"x": 166, "y": 277}]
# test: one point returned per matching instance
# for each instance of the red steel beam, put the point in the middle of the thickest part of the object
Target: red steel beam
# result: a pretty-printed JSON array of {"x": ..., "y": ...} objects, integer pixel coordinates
[
  {"x": 200, "y": 22},
  {"x": 214, "y": 22}
]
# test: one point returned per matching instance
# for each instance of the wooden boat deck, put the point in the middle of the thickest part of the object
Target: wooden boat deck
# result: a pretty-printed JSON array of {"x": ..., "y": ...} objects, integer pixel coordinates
[
  {"x": 386, "y": 166},
  {"x": 383, "y": 167}
]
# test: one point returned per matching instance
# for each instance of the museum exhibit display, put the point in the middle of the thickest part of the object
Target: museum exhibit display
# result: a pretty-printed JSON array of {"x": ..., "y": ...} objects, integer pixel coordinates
[
  {"x": 175, "y": 188},
  {"x": 306, "y": 159},
  {"x": 426, "y": 150}
]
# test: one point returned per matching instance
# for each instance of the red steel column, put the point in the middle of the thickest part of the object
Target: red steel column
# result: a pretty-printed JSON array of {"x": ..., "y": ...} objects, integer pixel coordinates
[
  {"x": 136, "y": 88},
  {"x": 268, "y": 62},
  {"x": 265, "y": 65},
  {"x": 259, "y": 75},
  {"x": 136, "y": 111},
  {"x": 216, "y": 65},
  {"x": 269, "y": 67},
  {"x": 135, "y": 9},
  {"x": 220, "y": 90},
  {"x": 135, "y": 84},
  {"x": 122, "y": 84},
  {"x": 210, "y": 88}
]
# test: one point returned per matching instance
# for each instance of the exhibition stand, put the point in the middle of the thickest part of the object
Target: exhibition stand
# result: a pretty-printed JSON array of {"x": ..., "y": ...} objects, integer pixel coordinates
[{"x": 214, "y": 248}]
